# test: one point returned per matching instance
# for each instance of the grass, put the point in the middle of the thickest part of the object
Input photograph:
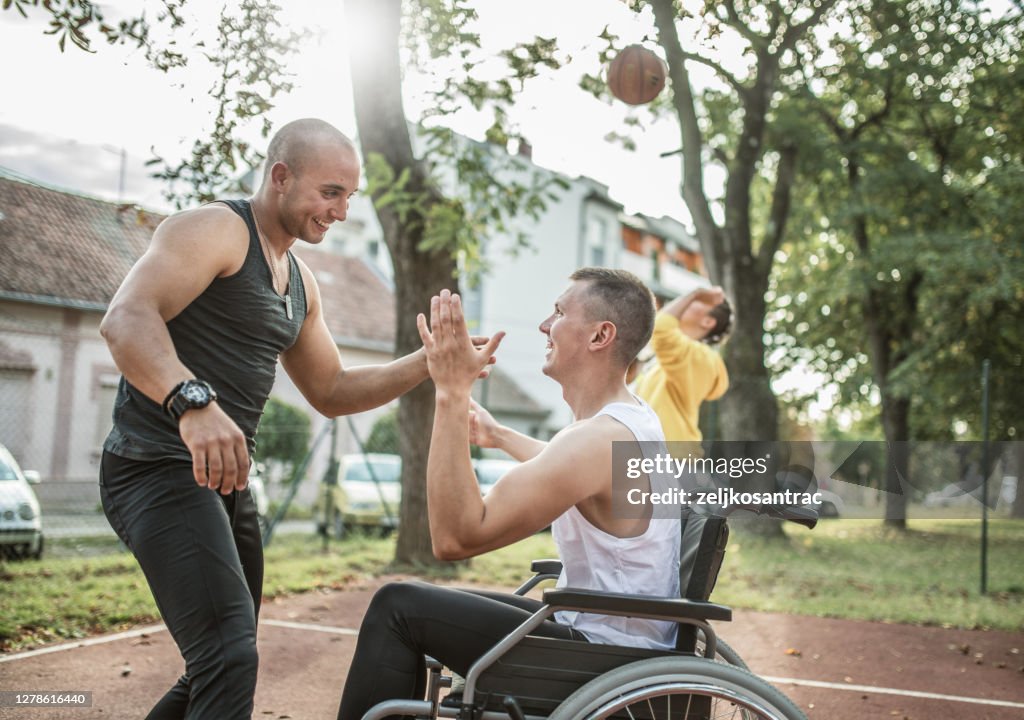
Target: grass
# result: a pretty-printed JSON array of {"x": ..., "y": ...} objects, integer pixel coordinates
[
  {"x": 857, "y": 569},
  {"x": 846, "y": 568}
]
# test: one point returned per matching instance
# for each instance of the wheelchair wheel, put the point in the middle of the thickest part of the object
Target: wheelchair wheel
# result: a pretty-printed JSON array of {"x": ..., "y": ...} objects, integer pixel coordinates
[
  {"x": 677, "y": 688},
  {"x": 723, "y": 654}
]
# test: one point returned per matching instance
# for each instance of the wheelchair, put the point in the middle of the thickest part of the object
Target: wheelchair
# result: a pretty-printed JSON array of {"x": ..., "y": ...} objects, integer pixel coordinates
[{"x": 527, "y": 677}]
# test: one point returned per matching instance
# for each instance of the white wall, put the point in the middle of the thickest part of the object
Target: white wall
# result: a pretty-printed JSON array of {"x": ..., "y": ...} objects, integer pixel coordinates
[{"x": 60, "y": 435}]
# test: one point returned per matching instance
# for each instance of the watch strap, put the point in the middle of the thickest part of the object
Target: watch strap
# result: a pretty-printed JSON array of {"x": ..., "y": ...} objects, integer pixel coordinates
[{"x": 166, "y": 404}]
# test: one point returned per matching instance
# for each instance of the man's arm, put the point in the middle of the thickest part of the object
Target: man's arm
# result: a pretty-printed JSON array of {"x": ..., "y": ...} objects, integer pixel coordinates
[
  {"x": 571, "y": 468},
  {"x": 680, "y": 356},
  {"x": 314, "y": 365},
  {"x": 711, "y": 296},
  {"x": 188, "y": 252},
  {"x": 486, "y": 432}
]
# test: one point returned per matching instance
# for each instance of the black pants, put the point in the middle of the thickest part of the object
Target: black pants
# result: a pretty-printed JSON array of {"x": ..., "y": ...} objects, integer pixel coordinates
[
  {"x": 202, "y": 555},
  {"x": 409, "y": 619}
]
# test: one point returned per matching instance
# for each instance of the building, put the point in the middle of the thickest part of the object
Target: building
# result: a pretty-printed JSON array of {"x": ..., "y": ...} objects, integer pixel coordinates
[
  {"x": 65, "y": 255},
  {"x": 584, "y": 226}
]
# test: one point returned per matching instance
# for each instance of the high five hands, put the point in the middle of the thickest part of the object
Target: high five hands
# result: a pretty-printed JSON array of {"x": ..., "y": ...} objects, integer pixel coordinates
[{"x": 454, "y": 358}]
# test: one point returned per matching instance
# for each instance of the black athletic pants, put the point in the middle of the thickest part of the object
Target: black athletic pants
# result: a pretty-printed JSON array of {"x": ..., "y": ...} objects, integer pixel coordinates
[
  {"x": 203, "y": 558},
  {"x": 407, "y": 620}
]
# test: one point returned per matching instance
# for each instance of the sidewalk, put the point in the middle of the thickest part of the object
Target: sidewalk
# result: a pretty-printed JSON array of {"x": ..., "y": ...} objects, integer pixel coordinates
[{"x": 306, "y": 644}]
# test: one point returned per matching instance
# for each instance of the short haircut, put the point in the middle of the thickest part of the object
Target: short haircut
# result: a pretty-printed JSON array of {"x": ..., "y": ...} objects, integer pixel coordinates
[
  {"x": 621, "y": 298},
  {"x": 722, "y": 314},
  {"x": 298, "y": 141}
]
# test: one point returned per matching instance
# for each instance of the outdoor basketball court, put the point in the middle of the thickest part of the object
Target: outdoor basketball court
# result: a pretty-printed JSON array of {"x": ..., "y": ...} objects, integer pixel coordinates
[{"x": 833, "y": 669}]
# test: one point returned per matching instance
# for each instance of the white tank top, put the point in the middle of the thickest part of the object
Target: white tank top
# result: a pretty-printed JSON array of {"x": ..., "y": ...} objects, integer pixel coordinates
[{"x": 647, "y": 564}]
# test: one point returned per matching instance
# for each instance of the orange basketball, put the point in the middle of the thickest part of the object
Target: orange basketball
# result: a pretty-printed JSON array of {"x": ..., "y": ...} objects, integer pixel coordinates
[{"x": 636, "y": 75}]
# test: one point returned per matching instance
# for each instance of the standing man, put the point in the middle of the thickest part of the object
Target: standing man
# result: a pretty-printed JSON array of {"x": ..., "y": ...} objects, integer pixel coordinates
[
  {"x": 197, "y": 328},
  {"x": 597, "y": 327},
  {"x": 688, "y": 370}
]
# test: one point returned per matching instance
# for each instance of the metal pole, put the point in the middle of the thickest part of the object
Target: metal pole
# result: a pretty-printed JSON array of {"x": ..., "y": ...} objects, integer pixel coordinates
[
  {"x": 330, "y": 482},
  {"x": 294, "y": 485},
  {"x": 985, "y": 366}
]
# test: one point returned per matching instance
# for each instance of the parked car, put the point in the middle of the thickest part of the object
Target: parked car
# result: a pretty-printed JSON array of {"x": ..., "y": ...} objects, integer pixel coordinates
[
  {"x": 369, "y": 491},
  {"x": 367, "y": 495},
  {"x": 21, "y": 524}
]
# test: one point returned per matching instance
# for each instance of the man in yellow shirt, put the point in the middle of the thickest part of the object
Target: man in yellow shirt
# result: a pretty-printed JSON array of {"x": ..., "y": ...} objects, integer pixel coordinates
[{"x": 688, "y": 371}]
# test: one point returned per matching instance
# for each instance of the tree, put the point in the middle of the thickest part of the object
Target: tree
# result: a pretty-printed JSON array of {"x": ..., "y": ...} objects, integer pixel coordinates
[
  {"x": 734, "y": 126},
  {"x": 910, "y": 278},
  {"x": 247, "y": 58},
  {"x": 283, "y": 436},
  {"x": 384, "y": 434},
  {"x": 432, "y": 235}
]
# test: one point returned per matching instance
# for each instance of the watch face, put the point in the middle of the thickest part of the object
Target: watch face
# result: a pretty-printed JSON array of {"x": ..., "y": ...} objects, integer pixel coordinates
[{"x": 195, "y": 393}]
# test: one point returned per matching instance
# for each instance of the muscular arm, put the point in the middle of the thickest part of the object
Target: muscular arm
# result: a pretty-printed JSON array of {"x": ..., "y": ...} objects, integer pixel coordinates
[
  {"x": 314, "y": 365},
  {"x": 187, "y": 253},
  {"x": 573, "y": 467}
]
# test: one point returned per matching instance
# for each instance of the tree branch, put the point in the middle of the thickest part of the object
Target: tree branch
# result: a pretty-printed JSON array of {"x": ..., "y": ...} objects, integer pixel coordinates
[
  {"x": 693, "y": 192},
  {"x": 781, "y": 196},
  {"x": 721, "y": 71},
  {"x": 757, "y": 41},
  {"x": 794, "y": 32}
]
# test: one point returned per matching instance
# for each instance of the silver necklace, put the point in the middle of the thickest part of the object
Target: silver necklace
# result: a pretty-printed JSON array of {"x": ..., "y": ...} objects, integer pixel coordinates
[{"x": 273, "y": 268}]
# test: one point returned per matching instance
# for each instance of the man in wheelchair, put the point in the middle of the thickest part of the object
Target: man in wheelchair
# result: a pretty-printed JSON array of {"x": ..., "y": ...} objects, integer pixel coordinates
[{"x": 598, "y": 326}]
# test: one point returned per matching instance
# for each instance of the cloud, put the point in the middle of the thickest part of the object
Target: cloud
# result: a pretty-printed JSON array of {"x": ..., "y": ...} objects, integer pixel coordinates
[{"x": 89, "y": 169}]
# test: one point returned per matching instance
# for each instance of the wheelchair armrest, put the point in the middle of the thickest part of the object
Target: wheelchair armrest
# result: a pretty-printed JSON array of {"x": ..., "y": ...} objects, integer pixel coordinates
[
  {"x": 660, "y": 608},
  {"x": 546, "y": 567}
]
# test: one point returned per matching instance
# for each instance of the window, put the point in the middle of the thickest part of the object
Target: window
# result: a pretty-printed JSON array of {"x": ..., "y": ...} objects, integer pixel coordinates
[
  {"x": 106, "y": 393},
  {"x": 597, "y": 232}
]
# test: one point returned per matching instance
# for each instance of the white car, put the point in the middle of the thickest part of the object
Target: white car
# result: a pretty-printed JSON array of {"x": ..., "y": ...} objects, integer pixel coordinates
[{"x": 21, "y": 524}]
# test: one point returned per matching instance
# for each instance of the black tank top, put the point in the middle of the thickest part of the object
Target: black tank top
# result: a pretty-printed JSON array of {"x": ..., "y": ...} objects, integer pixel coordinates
[{"x": 231, "y": 337}]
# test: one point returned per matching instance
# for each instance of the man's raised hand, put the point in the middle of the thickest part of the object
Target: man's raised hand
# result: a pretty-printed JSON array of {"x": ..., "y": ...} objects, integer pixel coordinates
[{"x": 454, "y": 360}]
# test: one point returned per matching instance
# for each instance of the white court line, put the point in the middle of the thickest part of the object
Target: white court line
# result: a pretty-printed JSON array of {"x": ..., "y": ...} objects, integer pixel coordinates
[
  {"x": 315, "y": 628},
  {"x": 890, "y": 691},
  {"x": 352, "y": 633},
  {"x": 101, "y": 640},
  {"x": 149, "y": 629}
]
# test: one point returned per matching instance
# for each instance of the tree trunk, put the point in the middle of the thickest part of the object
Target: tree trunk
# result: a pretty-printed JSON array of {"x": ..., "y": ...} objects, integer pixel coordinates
[
  {"x": 749, "y": 408},
  {"x": 1017, "y": 511},
  {"x": 380, "y": 118},
  {"x": 896, "y": 423}
]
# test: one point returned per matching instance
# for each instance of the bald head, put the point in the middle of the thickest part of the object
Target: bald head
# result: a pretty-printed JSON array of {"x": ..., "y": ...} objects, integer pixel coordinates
[{"x": 300, "y": 141}]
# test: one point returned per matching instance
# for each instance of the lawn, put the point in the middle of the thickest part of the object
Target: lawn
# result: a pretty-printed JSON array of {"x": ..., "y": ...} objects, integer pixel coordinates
[{"x": 843, "y": 568}]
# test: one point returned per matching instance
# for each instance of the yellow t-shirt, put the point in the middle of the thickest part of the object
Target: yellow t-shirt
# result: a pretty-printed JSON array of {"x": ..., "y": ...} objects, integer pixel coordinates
[{"x": 687, "y": 373}]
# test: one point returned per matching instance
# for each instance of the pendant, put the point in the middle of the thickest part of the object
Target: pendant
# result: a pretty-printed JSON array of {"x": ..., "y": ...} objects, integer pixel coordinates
[{"x": 288, "y": 305}]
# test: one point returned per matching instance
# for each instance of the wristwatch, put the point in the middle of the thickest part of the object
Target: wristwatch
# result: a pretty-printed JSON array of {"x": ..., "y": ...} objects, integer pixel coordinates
[{"x": 188, "y": 395}]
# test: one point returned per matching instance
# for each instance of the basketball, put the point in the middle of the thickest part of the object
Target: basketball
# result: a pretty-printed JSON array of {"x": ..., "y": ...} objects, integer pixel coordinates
[{"x": 636, "y": 75}]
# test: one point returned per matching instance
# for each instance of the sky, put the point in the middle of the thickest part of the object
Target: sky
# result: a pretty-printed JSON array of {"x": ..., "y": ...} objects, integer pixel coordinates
[{"x": 67, "y": 118}]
